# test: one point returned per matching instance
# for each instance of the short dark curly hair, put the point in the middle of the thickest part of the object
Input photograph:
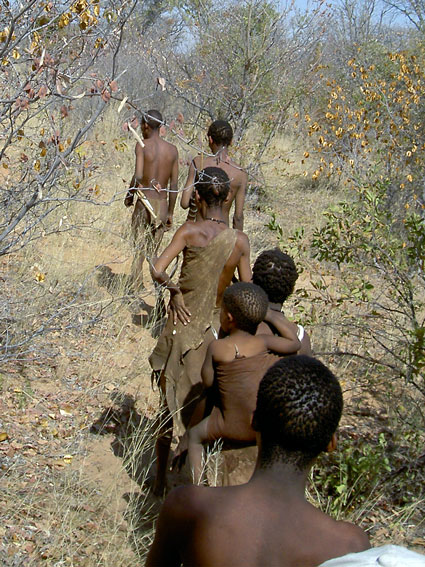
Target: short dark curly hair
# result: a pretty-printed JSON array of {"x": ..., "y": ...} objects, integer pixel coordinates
[
  {"x": 299, "y": 405},
  {"x": 221, "y": 132},
  {"x": 212, "y": 184},
  {"x": 153, "y": 118},
  {"x": 275, "y": 272},
  {"x": 247, "y": 303}
]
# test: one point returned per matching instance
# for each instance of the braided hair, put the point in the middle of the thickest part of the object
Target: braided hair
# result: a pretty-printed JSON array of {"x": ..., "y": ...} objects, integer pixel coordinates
[
  {"x": 212, "y": 184},
  {"x": 221, "y": 132}
]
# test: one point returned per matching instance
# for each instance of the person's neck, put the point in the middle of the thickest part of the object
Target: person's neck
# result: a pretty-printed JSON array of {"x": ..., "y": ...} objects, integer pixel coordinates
[
  {"x": 283, "y": 476},
  {"x": 150, "y": 134},
  {"x": 220, "y": 152},
  {"x": 234, "y": 332},
  {"x": 275, "y": 306},
  {"x": 212, "y": 213}
]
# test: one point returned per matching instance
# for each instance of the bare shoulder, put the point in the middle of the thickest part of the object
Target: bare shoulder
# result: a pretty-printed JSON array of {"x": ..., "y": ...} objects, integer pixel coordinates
[
  {"x": 185, "y": 503},
  {"x": 352, "y": 536},
  {"x": 222, "y": 350},
  {"x": 241, "y": 239},
  {"x": 238, "y": 172}
]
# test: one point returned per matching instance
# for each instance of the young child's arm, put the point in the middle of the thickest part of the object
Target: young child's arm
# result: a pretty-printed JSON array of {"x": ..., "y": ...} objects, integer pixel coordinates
[
  {"x": 207, "y": 370},
  {"x": 287, "y": 342}
]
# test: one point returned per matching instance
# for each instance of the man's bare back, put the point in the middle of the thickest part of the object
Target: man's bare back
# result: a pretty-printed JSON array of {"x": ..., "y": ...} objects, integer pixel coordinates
[
  {"x": 256, "y": 524},
  {"x": 266, "y": 521},
  {"x": 238, "y": 177},
  {"x": 156, "y": 168}
]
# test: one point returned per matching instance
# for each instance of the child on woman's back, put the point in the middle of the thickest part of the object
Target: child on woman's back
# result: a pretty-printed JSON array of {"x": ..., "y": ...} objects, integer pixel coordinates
[
  {"x": 275, "y": 272},
  {"x": 236, "y": 364}
]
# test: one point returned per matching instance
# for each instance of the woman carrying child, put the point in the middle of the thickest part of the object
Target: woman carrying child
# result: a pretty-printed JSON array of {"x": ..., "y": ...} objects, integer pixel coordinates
[{"x": 237, "y": 363}]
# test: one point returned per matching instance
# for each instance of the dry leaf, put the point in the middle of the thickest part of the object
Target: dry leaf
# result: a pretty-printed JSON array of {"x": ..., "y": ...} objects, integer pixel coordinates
[
  {"x": 161, "y": 82},
  {"x": 65, "y": 411},
  {"x": 3, "y": 436},
  {"x": 121, "y": 106}
]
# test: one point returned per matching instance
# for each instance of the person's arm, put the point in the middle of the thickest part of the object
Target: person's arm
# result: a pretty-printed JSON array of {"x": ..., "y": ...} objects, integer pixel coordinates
[
  {"x": 239, "y": 203},
  {"x": 207, "y": 371},
  {"x": 287, "y": 342},
  {"x": 244, "y": 264},
  {"x": 164, "y": 551},
  {"x": 189, "y": 186},
  {"x": 159, "y": 274},
  {"x": 172, "y": 195},
  {"x": 137, "y": 177}
]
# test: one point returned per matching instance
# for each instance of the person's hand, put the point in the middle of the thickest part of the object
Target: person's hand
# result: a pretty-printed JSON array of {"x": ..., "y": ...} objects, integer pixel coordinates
[
  {"x": 129, "y": 198},
  {"x": 178, "y": 309},
  {"x": 156, "y": 185},
  {"x": 169, "y": 222}
]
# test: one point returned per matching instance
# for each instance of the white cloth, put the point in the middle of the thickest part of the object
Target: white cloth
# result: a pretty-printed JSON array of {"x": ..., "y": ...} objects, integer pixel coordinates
[
  {"x": 385, "y": 556},
  {"x": 300, "y": 332}
]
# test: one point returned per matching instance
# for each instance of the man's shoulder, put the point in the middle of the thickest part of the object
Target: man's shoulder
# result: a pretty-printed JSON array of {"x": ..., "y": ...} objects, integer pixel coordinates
[
  {"x": 352, "y": 536},
  {"x": 169, "y": 147},
  {"x": 187, "y": 502}
]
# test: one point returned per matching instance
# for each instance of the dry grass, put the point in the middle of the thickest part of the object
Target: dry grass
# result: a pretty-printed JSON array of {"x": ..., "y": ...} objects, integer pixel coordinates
[{"x": 71, "y": 497}]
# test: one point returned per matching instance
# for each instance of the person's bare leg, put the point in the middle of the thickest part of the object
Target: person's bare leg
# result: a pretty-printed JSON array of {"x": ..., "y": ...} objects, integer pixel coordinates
[
  {"x": 139, "y": 234},
  {"x": 163, "y": 441},
  {"x": 136, "y": 274},
  {"x": 196, "y": 436}
]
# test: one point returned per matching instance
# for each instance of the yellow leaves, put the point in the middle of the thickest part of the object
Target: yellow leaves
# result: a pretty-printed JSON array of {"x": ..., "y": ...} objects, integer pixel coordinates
[
  {"x": 64, "y": 20},
  {"x": 306, "y": 154},
  {"x": 39, "y": 277},
  {"x": 329, "y": 116},
  {"x": 334, "y": 95},
  {"x": 37, "y": 165},
  {"x": 409, "y": 178},
  {"x": 402, "y": 185},
  {"x": 16, "y": 54},
  {"x": 67, "y": 459},
  {"x": 99, "y": 44},
  {"x": 79, "y": 6},
  {"x": 3, "y": 436},
  {"x": 307, "y": 118}
]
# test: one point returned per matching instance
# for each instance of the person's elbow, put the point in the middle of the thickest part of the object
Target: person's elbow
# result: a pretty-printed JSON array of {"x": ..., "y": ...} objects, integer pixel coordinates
[{"x": 184, "y": 203}]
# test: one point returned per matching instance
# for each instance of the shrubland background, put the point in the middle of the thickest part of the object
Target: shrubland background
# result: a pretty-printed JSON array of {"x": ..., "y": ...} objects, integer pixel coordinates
[{"x": 327, "y": 105}]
